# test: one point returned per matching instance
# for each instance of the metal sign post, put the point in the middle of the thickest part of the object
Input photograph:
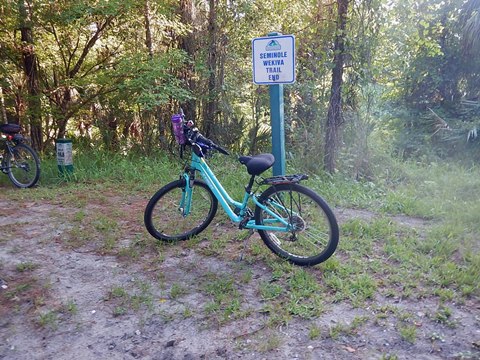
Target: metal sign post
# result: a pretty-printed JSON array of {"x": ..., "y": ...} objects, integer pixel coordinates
[
  {"x": 278, "y": 129},
  {"x": 274, "y": 65}
]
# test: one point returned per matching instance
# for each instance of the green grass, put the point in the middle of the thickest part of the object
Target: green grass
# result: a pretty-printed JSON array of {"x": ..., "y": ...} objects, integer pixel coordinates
[
  {"x": 226, "y": 300},
  {"x": 177, "y": 290},
  {"x": 408, "y": 333},
  {"x": 378, "y": 256},
  {"x": 446, "y": 255},
  {"x": 48, "y": 319},
  {"x": 71, "y": 307},
  {"x": 269, "y": 291},
  {"x": 348, "y": 329},
  {"x": 26, "y": 266},
  {"x": 271, "y": 341},
  {"x": 99, "y": 167},
  {"x": 138, "y": 296}
]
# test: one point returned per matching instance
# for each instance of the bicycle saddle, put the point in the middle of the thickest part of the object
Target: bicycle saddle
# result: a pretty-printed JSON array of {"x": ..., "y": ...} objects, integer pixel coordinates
[
  {"x": 10, "y": 129},
  {"x": 257, "y": 164}
]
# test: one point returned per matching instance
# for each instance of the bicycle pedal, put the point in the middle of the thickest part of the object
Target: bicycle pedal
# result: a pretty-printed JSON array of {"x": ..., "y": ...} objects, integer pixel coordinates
[
  {"x": 246, "y": 219},
  {"x": 243, "y": 223}
]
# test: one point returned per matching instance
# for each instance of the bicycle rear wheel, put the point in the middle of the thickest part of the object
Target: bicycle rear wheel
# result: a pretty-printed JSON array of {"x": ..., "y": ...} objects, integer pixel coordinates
[
  {"x": 313, "y": 230},
  {"x": 164, "y": 217},
  {"x": 23, "y": 166}
]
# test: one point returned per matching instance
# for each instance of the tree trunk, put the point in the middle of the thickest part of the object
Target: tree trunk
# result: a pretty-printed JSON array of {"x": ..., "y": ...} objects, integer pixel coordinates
[
  {"x": 30, "y": 69},
  {"x": 2, "y": 105},
  {"x": 210, "y": 110},
  {"x": 148, "y": 30},
  {"x": 334, "y": 116},
  {"x": 149, "y": 44},
  {"x": 188, "y": 43},
  {"x": 64, "y": 99}
]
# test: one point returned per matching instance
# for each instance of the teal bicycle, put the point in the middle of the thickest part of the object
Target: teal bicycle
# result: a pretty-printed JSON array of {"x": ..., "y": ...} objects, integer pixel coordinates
[{"x": 292, "y": 220}]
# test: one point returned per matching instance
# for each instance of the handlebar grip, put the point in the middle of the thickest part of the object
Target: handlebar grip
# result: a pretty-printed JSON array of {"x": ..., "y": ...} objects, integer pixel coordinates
[
  {"x": 220, "y": 149},
  {"x": 203, "y": 139},
  {"x": 212, "y": 144},
  {"x": 194, "y": 136}
]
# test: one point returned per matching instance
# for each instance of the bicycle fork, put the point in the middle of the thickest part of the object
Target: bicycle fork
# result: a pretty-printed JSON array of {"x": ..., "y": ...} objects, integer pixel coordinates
[{"x": 187, "y": 191}]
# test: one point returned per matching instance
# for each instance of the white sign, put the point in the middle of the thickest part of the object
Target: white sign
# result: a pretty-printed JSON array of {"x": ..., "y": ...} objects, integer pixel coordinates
[{"x": 273, "y": 59}]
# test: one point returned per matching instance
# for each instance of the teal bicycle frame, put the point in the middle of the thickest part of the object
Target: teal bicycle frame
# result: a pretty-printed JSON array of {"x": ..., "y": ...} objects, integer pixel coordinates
[{"x": 200, "y": 165}]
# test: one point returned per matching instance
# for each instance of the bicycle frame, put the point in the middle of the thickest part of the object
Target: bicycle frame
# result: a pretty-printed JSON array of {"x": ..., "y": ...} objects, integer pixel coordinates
[{"x": 200, "y": 165}]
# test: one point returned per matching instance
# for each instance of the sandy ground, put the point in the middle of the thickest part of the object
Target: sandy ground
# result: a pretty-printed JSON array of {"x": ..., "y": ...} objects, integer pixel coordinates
[{"x": 59, "y": 301}]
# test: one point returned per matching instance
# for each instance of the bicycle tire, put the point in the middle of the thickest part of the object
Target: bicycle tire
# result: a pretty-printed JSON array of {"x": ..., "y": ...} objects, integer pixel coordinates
[
  {"x": 164, "y": 219},
  {"x": 23, "y": 167},
  {"x": 316, "y": 234}
]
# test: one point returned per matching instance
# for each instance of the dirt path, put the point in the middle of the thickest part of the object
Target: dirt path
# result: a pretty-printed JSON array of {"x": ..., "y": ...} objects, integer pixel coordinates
[{"x": 61, "y": 300}]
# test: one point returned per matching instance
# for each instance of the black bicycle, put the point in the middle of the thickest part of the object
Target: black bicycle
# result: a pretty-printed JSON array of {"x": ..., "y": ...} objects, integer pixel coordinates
[{"x": 19, "y": 161}]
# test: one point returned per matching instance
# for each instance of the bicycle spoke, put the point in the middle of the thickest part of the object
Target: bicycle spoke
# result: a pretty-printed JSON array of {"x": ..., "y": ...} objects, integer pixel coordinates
[
  {"x": 317, "y": 233},
  {"x": 313, "y": 240},
  {"x": 166, "y": 217},
  {"x": 23, "y": 166},
  {"x": 310, "y": 239}
]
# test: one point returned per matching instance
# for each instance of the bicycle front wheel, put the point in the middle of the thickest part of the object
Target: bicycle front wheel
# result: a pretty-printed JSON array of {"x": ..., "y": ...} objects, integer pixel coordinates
[
  {"x": 311, "y": 235},
  {"x": 164, "y": 215},
  {"x": 23, "y": 166}
]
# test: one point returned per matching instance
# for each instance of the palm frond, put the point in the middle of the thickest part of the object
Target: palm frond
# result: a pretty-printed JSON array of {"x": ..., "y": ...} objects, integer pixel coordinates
[
  {"x": 472, "y": 134},
  {"x": 438, "y": 123},
  {"x": 471, "y": 29}
]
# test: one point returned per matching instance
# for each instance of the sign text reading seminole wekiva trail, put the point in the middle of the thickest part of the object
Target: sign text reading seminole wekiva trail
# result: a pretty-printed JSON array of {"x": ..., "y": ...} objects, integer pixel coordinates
[{"x": 273, "y": 60}]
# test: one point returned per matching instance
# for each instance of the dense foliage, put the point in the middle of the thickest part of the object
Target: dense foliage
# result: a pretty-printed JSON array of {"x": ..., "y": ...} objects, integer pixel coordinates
[{"x": 111, "y": 72}]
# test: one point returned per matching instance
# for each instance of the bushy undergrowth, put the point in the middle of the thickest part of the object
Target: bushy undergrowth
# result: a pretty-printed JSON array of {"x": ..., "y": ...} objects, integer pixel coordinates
[
  {"x": 135, "y": 171},
  {"x": 437, "y": 191}
]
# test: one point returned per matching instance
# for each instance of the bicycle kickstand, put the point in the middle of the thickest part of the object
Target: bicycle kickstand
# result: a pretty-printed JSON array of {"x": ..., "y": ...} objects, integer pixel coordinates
[{"x": 245, "y": 244}]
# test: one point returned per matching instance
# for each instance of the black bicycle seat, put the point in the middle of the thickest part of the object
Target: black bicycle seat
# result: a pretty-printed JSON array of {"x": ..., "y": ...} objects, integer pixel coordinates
[
  {"x": 257, "y": 164},
  {"x": 10, "y": 129}
]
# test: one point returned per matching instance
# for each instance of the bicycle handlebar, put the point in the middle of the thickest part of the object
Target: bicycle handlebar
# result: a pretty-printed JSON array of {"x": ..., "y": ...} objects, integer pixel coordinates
[
  {"x": 202, "y": 139},
  {"x": 194, "y": 137}
]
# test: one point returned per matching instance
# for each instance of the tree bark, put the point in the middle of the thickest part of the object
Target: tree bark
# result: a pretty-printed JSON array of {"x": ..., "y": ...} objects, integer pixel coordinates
[
  {"x": 2, "y": 105},
  {"x": 149, "y": 44},
  {"x": 30, "y": 69},
  {"x": 334, "y": 116},
  {"x": 188, "y": 43},
  {"x": 210, "y": 110},
  {"x": 148, "y": 30},
  {"x": 64, "y": 100}
]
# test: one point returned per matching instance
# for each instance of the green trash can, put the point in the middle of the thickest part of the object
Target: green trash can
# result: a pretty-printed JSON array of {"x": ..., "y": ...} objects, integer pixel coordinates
[{"x": 64, "y": 156}]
